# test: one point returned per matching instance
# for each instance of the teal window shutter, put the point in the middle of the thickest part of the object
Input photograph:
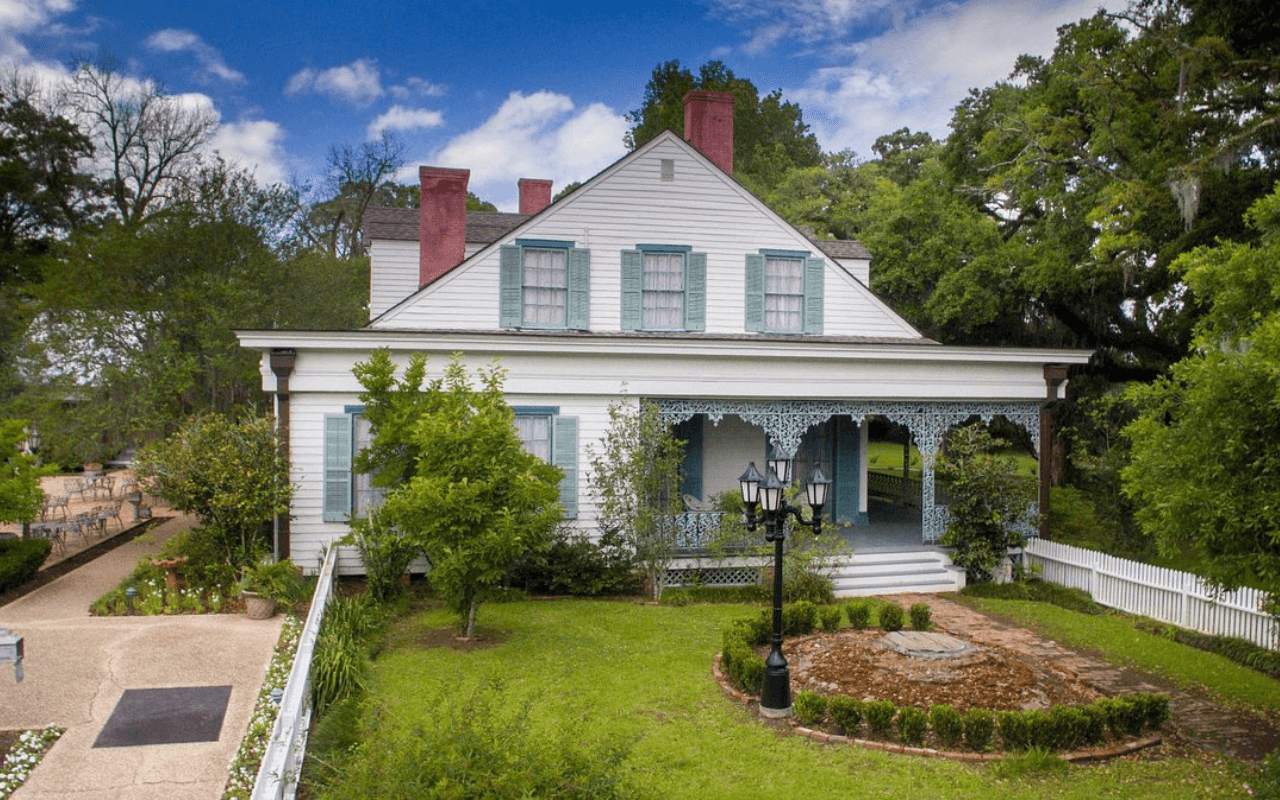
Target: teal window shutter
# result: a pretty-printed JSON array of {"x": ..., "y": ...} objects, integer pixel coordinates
[
  {"x": 337, "y": 468},
  {"x": 695, "y": 292},
  {"x": 846, "y": 493},
  {"x": 565, "y": 456},
  {"x": 632, "y": 290},
  {"x": 691, "y": 469},
  {"x": 578, "y": 280},
  {"x": 509, "y": 286},
  {"x": 814, "y": 271},
  {"x": 755, "y": 292}
]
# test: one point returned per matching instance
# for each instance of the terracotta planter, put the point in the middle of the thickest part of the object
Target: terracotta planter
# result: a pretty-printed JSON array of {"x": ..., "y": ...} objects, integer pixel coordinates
[{"x": 258, "y": 607}]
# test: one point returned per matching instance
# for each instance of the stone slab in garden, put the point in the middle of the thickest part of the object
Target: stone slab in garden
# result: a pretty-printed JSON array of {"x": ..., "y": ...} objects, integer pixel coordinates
[{"x": 926, "y": 644}]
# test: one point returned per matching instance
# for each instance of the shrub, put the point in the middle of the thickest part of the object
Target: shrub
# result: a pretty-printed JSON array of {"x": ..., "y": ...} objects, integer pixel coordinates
[
  {"x": 912, "y": 724},
  {"x": 946, "y": 724},
  {"x": 1015, "y": 730},
  {"x": 979, "y": 726},
  {"x": 1125, "y": 717},
  {"x": 1094, "y": 720},
  {"x": 920, "y": 616},
  {"x": 891, "y": 617},
  {"x": 809, "y": 707},
  {"x": 20, "y": 560},
  {"x": 830, "y": 618},
  {"x": 740, "y": 663},
  {"x": 278, "y": 580},
  {"x": 859, "y": 613},
  {"x": 341, "y": 655},
  {"x": 385, "y": 553},
  {"x": 1154, "y": 708},
  {"x": 846, "y": 712},
  {"x": 575, "y": 565},
  {"x": 879, "y": 715},
  {"x": 802, "y": 585},
  {"x": 684, "y": 595},
  {"x": 799, "y": 618}
]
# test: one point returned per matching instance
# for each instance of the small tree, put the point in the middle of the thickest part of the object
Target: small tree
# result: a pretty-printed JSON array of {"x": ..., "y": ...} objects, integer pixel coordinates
[
  {"x": 474, "y": 501},
  {"x": 988, "y": 501},
  {"x": 636, "y": 479},
  {"x": 20, "y": 493},
  {"x": 230, "y": 473}
]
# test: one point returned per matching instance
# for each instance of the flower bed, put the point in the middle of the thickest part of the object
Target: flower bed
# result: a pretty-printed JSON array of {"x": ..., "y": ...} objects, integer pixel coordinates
[
  {"x": 23, "y": 755},
  {"x": 244, "y": 767}
]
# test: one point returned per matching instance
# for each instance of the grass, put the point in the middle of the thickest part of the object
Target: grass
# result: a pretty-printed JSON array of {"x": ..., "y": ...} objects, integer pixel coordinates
[
  {"x": 887, "y": 457},
  {"x": 639, "y": 676},
  {"x": 1116, "y": 639}
]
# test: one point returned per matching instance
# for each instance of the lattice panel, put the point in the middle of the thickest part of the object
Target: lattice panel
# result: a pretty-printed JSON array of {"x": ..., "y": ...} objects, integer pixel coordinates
[{"x": 715, "y": 576}]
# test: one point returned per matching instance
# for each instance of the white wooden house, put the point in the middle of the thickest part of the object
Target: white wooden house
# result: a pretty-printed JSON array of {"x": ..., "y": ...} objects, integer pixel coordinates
[{"x": 661, "y": 278}]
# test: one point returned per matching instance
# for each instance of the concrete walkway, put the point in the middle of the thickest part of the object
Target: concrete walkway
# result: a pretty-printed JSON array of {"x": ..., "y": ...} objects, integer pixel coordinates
[{"x": 78, "y": 666}]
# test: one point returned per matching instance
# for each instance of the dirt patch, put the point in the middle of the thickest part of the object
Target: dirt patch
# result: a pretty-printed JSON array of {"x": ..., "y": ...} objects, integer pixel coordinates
[
  {"x": 860, "y": 664},
  {"x": 483, "y": 639}
]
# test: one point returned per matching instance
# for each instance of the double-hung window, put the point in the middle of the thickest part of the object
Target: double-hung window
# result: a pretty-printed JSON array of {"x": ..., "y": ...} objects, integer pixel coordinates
[
  {"x": 664, "y": 288},
  {"x": 554, "y": 439},
  {"x": 347, "y": 494},
  {"x": 784, "y": 292},
  {"x": 544, "y": 283}
]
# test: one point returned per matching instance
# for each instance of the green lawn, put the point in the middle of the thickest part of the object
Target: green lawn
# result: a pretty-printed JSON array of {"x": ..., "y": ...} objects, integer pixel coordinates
[
  {"x": 640, "y": 676},
  {"x": 887, "y": 457}
]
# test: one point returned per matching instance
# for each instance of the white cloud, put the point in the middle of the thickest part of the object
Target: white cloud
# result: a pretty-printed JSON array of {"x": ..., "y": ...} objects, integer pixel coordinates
[
  {"x": 23, "y": 16},
  {"x": 399, "y": 118},
  {"x": 175, "y": 40},
  {"x": 358, "y": 83},
  {"x": 254, "y": 144},
  {"x": 770, "y": 21},
  {"x": 538, "y": 135},
  {"x": 417, "y": 86},
  {"x": 913, "y": 76}
]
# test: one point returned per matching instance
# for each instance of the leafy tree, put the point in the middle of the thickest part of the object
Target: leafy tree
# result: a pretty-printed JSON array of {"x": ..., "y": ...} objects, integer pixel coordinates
[
  {"x": 474, "y": 501},
  {"x": 988, "y": 501},
  {"x": 231, "y": 473},
  {"x": 474, "y": 203},
  {"x": 769, "y": 135},
  {"x": 20, "y": 492},
  {"x": 635, "y": 474},
  {"x": 1205, "y": 468}
]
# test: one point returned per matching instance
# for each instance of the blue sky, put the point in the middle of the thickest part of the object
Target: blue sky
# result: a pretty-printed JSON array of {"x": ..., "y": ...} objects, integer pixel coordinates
[{"x": 533, "y": 89}]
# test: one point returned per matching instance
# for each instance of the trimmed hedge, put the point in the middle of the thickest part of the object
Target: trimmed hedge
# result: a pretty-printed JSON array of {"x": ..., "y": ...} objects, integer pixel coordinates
[
  {"x": 1036, "y": 591},
  {"x": 20, "y": 560},
  {"x": 1238, "y": 649}
]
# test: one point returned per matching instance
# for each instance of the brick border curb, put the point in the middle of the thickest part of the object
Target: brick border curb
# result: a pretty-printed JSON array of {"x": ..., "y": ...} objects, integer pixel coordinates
[{"x": 1092, "y": 754}]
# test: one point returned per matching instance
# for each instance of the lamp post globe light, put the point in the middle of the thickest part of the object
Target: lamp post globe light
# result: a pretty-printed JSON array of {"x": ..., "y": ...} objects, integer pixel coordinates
[{"x": 769, "y": 492}]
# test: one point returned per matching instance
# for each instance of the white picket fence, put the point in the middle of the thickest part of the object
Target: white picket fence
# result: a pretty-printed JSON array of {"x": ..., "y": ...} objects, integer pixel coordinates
[{"x": 1167, "y": 595}]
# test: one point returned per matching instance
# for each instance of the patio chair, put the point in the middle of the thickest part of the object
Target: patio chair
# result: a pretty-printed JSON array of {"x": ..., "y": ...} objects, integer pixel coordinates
[{"x": 54, "y": 504}]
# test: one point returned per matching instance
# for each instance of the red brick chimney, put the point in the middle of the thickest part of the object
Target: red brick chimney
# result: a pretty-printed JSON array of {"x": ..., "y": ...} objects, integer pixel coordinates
[
  {"x": 535, "y": 195},
  {"x": 442, "y": 230},
  {"x": 708, "y": 125}
]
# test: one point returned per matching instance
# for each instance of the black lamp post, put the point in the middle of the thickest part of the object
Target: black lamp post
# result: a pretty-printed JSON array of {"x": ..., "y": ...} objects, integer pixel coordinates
[{"x": 775, "y": 697}]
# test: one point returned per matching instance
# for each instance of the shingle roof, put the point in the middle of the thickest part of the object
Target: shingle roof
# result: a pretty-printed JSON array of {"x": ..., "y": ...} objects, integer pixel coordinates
[
  {"x": 402, "y": 224},
  {"x": 841, "y": 248}
]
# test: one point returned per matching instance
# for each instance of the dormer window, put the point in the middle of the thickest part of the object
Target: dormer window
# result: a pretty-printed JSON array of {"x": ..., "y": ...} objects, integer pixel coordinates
[
  {"x": 664, "y": 288},
  {"x": 544, "y": 284},
  {"x": 784, "y": 292}
]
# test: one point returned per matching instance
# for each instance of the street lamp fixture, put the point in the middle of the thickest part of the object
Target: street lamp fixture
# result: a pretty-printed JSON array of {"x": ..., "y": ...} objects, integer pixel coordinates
[{"x": 775, "y": 696}]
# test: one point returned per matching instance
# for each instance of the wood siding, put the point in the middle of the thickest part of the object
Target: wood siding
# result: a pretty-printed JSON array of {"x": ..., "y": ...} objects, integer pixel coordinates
[{"x": 629, "y": 205}]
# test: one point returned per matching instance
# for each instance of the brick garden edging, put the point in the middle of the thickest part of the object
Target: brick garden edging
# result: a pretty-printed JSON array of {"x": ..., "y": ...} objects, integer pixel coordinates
[{"x": 1091, "y": 754}]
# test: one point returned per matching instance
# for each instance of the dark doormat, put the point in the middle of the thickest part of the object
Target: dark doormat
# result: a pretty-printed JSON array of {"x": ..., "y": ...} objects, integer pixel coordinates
[{"x": 166, "y": 716}]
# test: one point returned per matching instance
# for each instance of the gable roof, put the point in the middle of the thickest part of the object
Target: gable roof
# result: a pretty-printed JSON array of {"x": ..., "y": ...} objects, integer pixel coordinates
[{"x": 401, "y": 224}]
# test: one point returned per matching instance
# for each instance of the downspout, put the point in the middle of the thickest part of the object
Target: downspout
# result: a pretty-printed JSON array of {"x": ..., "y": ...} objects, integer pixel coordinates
[
  {"x": 1054, "y": 376},
  {"x": 282, "y": 361}
]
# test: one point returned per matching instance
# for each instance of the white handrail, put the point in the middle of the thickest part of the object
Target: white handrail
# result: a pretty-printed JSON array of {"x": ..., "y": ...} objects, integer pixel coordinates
[{"x": 282, "y": 760}]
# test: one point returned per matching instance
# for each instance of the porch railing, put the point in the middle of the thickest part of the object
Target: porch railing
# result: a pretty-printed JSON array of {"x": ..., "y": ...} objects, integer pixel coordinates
[{"x": 694, "y": 530}]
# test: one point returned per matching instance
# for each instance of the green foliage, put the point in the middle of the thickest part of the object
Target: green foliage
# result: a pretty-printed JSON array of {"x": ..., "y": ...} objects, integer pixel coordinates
[
  {"x": 979, "y": 727},
  {"x": 920, "y": 616},
  {"x": 1015, "y": 729},
  {"x": 846, "y": 712},
  {"x": 1126, "y": 717},
  {"x": 891, "y": 617},
  {"x": 800, "y": 584},
  {"x": 859, "y": 613},
  {"x": 635, "y": 472},
  {"x": 752, "y": 594},
  {"x": 769, "y": 135},
  {"x": 20, "y": 492},
  {"x": 230, "y": 473},
  {"x": 341, "y": 658},
  {"x": 20, "y": 560},
  {"x": 913, "y": 722},
  {"x": 482, "y": 744},
  {"x": 808, "y": 707},
  {"x": 880, "y": 714},
  {"x": 987, "y": 501},
  {"x": 946, "y": 723},
  {"x": 384, "y": 552},
  {"x": 465, "y": 492},
  {"x": 1037, "y": 591},
  {"x": 1032, "y": 762},
  {"x": 830, "y": 616},
  {"x": 277, "y": 580},
  {"x": 575, "y": 565},
  {"x": 1266, "y": 782},
  {"x": 1240, "y": 650},
  {"x": 799, "y": 618}
]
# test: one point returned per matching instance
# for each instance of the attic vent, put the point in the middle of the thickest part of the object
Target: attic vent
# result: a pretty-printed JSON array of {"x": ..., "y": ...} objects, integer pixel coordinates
[{"x": 668, "y": 170}]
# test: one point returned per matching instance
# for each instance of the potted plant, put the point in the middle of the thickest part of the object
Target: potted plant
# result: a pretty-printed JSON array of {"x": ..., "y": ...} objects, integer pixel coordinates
[{"x": 264, "y": 584}]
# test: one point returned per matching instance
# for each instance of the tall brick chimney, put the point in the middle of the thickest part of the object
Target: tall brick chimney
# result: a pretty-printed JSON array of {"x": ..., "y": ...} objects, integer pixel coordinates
[
  {"x": 442, "y": 229},
  {"x": 708, "y": 125},
  {"x": 535, "y": 195}
]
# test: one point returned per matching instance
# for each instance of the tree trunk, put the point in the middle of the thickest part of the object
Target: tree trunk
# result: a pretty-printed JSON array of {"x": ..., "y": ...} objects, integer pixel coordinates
[{"x": 471, "y": 619}]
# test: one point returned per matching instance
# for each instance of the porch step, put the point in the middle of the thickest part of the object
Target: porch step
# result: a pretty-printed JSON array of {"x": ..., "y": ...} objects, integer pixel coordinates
[{"x": 895, "y": 571}]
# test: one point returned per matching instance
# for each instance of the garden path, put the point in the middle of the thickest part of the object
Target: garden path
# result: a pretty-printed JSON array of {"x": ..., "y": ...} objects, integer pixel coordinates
[{"x": 1198, "y": 720}]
